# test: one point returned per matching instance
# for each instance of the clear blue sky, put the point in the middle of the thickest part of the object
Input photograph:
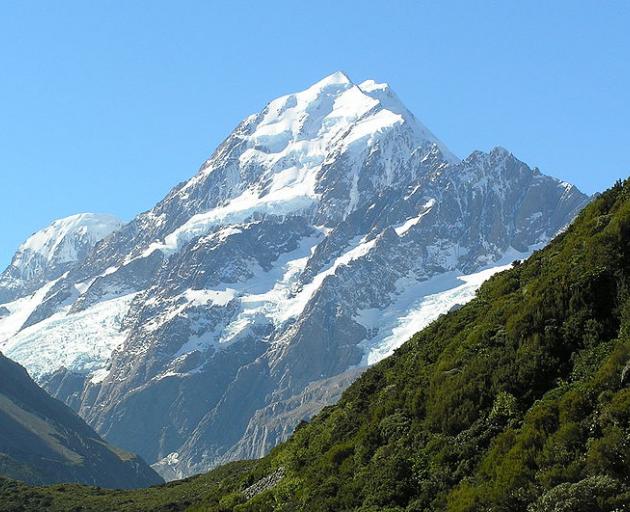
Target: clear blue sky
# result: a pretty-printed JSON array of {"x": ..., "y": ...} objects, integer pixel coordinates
[{"x": 105, "y": 105}]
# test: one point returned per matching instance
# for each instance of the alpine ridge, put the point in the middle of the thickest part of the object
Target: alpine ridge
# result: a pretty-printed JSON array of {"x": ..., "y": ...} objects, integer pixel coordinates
[{"x": 318, "y": 237}]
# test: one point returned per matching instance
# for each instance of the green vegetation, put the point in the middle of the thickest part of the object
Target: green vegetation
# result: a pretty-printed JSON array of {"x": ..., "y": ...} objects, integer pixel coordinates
[
  {"x": 519, "y": 401},
  {"x": 180, "y": 495}
]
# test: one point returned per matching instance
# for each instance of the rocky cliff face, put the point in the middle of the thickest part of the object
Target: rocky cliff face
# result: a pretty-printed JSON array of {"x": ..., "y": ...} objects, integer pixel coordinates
[{"x": 321, "y": 233}]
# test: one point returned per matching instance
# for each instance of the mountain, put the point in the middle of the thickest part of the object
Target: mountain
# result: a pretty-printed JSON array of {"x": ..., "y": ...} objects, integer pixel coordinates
[
  {"x": 50, "y": 252},
  {"x": 42, "y": 441},
  {"x": 319, "y": 236},
  {"x": 515, "y": 402}
]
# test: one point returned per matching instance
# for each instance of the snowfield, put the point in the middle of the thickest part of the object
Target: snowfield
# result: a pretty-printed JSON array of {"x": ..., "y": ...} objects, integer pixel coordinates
[
  {"x": 56, "y": 240},
  {"x": 19, "y": 311},
  {"x": 82, "y": 342}
]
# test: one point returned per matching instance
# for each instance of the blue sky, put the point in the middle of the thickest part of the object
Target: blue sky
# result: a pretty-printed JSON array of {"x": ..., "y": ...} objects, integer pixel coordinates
[{"x": 105, "y": 105}]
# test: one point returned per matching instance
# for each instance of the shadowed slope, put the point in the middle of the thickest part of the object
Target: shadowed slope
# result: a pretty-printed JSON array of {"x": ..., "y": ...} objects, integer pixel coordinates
[{"x": 43, "y": 441}]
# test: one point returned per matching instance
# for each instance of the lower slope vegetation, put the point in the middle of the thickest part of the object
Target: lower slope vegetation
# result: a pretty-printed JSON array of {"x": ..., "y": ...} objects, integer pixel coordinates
[{"x": 519, "y": 401}]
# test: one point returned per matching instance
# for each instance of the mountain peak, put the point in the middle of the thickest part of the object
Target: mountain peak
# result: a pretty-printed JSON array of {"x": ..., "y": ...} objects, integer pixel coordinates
[
  {"x": 500, "y": 152},
  {"x": 321, "y": 234},
  {"x": 330, "y": 115},
  {"x": 338, "y": 77},
  {"x": 49, "y": 252},
  {"x": 496, "y": 153},
  {"x": 48, "y": 242},
  {"x": 284, "y": 159}
]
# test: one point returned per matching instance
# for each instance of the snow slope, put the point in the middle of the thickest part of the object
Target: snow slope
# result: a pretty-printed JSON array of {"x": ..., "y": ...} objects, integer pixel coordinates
[
  {"x": 52, "y": 251},
  {"x": 18, "y": 312},
  {"x": 57, "y": 242},
  {"x": 81, "y": 342},
  {"x": 421, "y": 302},
  {"x": 283, "y": 150}
]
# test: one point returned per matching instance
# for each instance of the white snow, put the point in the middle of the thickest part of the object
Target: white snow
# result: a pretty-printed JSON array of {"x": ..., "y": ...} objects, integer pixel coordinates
[
  {"x": 388, "y": 98},
  {"x": 82, "y": 342},
  {"x": 191, "y": 298},
  {"x": 373, "y": 86},
  {"x": 199, "y": 342},
  {"x": 262, "y": 298},
  {"x": 19, "y": 311},
  {"x": 271, "y": 296},
  {"x": 287, "y": 303},
  {"x": 216, "y": 297},
  {"x": 407, "y": 225},
  {"x": 290, "y": 305},
  {"x": 56, "y": 242},
  {"x": 418, "y": 303},
  {"x": 371, "y": 128},
  {"x": 412, "y": 192},
  {"x": 237, "y": 211},
  {"x": 286, "y": 146},
  {"x": 83, "y": 286},
  {"x": 99, "y": 375}
]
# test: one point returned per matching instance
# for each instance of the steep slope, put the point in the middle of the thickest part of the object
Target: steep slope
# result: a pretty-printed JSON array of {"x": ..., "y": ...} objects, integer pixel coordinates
[
  {"x": 518, "y": 401},
  {"x": 42, "y": 441},
  {"x": 320, "y": 235}
]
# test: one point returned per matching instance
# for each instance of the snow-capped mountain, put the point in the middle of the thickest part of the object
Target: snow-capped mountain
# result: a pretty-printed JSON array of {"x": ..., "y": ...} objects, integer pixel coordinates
[
  {"x": 41, "y": 260},
  {"x": 50, "y": 252},
  {"x": 320, "y": 234}
]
